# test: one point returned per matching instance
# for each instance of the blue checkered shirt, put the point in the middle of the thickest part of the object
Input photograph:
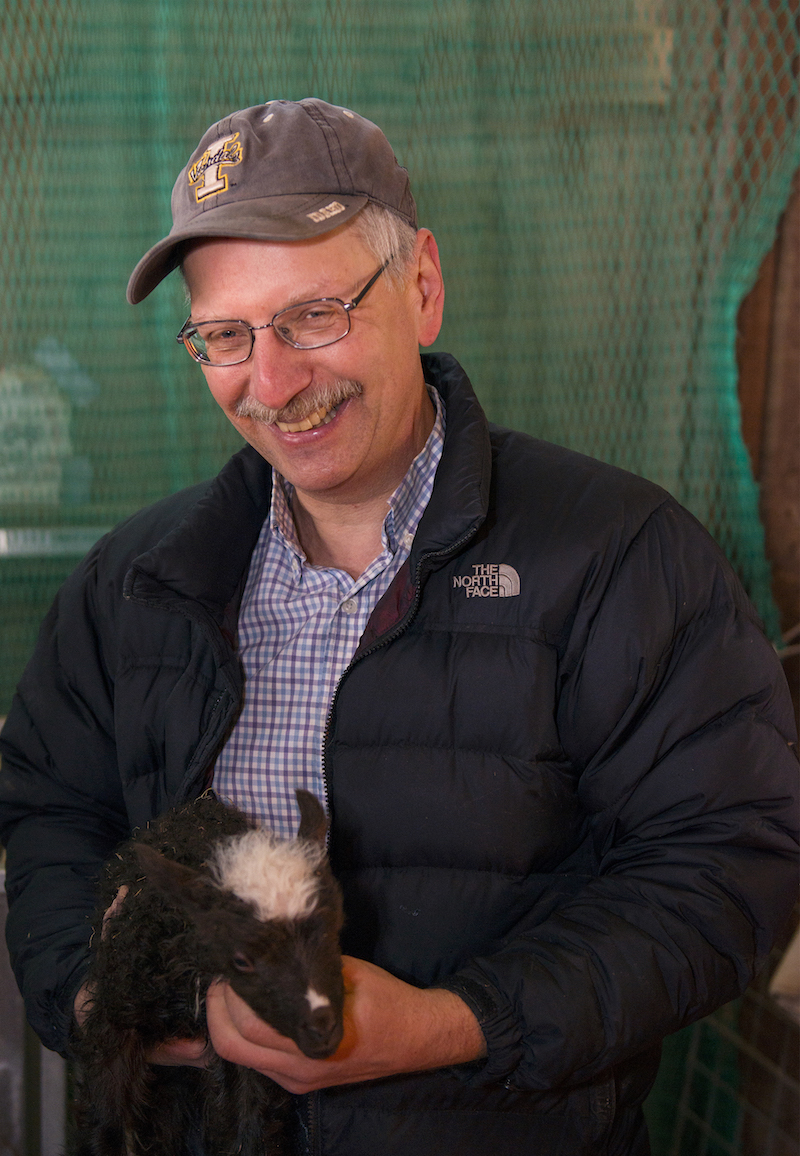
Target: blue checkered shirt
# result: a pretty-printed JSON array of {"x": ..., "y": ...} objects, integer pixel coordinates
[{"x": 299, "y": 627}]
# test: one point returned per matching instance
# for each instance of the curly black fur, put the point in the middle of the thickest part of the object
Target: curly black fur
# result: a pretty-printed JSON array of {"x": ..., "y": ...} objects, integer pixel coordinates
[{"x": 152, "y": 963}]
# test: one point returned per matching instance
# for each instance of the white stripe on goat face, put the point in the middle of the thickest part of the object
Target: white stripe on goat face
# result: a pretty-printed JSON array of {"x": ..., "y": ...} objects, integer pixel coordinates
[
  {"x": 315, "y": 1000},
  {"x": 275, "y": 875}
]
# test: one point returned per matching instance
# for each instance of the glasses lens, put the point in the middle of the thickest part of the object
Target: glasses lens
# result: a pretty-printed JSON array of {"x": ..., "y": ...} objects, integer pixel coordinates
[
  {"x": 220, "y": 342},
  {"x": 313, "y": 323}
]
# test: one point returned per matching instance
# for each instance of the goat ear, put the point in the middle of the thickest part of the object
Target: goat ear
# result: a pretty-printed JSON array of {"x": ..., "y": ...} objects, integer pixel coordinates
[
  {"x": 190, "y": 888},
  {"x": 313, "y": 820}
]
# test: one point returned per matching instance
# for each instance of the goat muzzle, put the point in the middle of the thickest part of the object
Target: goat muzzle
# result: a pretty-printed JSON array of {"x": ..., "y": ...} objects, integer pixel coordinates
[{"x": 321, "y": 1034}]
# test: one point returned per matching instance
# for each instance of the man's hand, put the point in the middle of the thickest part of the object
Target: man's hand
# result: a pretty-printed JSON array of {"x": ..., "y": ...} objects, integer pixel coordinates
[
  {"x": 171, "y": 1053},
  {"x": 389, "y": 1027},
  {"x": 180, "y": 1053}
]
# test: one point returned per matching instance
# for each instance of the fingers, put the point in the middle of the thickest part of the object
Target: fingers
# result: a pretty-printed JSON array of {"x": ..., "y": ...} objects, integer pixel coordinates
[
  {"x": 389, "y": 1027},
  {"x": 171, "y": 1053},
  {"x": 81, "y": 1005},
  {"x": 239, "y": 1036},
  {"x": 113, "y": 910},
  {"x": 235, "y": 1028},
  {"x": 181, "y": 1053}
]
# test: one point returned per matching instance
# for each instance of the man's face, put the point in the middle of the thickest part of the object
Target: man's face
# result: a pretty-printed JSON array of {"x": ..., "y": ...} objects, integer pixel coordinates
[{"x": 365, "y": 448}]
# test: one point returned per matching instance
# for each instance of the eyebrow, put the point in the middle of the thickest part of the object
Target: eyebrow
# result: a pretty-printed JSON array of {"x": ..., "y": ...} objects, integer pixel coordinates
[
  {"x": 298, "y": 301},
  {"x": 327, "y": 296}
]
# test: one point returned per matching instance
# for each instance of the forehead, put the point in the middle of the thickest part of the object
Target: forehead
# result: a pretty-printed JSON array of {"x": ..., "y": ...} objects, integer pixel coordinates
[{"x": 329, "y": 264}]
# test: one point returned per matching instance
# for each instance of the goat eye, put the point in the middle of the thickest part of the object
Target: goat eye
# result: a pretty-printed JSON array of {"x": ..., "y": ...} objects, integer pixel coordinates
[{"x": 242, "y": 963}]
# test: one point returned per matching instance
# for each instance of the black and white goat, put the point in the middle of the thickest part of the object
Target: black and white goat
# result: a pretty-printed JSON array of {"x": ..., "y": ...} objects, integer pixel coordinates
[{"x": 202, "y": 893}]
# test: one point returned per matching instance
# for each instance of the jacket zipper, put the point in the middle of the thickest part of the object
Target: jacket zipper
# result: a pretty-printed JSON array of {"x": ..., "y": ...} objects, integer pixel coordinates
[
  {"x": 313, "y": 1098},
  {"x": 313, "y": 1140},
  {"x": 399, "y": 629},
  {"x": 210, "y": 741}
]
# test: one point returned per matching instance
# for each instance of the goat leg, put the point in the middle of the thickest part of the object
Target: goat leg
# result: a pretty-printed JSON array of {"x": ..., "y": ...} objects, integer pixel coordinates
[{"x": 245, "y": 1114}]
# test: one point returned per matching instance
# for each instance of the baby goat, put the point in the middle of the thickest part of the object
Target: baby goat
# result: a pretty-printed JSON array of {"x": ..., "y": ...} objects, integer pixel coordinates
[{"x": 205, "y": 894}]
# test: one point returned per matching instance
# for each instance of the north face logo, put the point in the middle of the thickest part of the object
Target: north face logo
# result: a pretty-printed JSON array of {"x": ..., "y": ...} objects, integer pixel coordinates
[{"x": 489, "y": 581}]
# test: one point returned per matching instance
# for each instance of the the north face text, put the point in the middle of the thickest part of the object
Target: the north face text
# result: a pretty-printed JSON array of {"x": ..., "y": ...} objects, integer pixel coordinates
[{"x": 491, "y": 580}]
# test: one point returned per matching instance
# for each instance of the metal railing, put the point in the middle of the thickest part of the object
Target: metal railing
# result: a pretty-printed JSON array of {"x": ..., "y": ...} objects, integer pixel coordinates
[{"x": 33, "y": 1080}]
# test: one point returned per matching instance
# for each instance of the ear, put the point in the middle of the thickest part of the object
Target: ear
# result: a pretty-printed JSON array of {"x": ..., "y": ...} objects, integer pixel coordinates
[
  {"x": 429, "y": 284},
  {"x": 183, "y": 885},
  {"x": 313, "y": 820}
]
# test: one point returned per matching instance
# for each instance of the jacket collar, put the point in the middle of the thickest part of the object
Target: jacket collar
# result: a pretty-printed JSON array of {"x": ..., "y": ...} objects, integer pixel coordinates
[
  {"x": 206, "y": 557},
  {"x": 460, "y": 495}
]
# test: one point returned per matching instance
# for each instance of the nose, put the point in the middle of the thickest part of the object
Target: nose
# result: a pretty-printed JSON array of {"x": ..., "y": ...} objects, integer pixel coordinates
[
  {"x": 277, "y": 371},
  {"x": 322, "y": 1033}
]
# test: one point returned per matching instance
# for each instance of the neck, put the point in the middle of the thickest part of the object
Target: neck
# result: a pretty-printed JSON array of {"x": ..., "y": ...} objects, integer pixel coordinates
[
  {"x": 345, "y": 532},
  {"x": 346, "y": 537}
]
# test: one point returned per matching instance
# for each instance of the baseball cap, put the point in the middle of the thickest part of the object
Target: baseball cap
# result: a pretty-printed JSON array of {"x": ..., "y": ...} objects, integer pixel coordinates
[{"x": 282, "y": 171}]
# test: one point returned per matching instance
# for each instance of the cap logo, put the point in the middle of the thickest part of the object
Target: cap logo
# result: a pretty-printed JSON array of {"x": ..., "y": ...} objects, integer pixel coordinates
[
  {"x": 207, "y": 175},
  {"x": 326, "y": 211}
]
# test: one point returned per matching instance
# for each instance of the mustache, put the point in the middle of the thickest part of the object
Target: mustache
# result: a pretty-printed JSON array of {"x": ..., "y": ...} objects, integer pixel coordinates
[{"x": 325, "y": 397}]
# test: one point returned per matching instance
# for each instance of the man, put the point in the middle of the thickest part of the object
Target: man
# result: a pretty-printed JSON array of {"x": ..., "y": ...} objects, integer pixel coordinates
[{"x": 553, "y": 741}]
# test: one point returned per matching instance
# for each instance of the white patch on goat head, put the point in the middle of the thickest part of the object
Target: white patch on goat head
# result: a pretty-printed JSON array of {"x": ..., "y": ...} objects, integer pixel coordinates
[
  {"x": 316, "y": 1000},
  {"x": 275, "y": 875}
]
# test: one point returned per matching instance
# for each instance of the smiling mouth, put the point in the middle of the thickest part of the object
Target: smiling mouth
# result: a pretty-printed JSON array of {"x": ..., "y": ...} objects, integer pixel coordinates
[
  {"x": 319, "y": 417},
  {"x": 295, "y": 417}
]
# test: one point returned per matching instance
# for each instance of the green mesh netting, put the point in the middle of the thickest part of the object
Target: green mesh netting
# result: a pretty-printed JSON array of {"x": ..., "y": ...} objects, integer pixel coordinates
[{"x": 603, "y": 177}]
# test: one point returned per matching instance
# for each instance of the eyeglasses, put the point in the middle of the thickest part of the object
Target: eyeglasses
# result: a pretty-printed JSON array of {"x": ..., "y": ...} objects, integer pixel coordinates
[{"x": 309, "y": 325}]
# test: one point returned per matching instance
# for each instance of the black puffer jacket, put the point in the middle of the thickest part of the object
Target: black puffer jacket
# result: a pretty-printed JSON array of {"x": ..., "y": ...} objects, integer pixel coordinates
[{"x": 558, "y": 770}]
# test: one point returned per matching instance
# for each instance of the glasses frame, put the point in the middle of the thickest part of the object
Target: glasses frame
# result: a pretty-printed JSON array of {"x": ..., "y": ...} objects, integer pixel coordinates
[{"x": 348, "y": 307}]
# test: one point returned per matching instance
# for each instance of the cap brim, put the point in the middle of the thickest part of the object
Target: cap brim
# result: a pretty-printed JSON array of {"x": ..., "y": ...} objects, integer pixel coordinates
[{"x": 284, "y": 218}]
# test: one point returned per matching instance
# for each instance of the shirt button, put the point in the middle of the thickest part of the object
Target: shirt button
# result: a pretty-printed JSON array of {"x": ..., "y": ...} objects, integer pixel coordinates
[{"x": 349, "y": 606}]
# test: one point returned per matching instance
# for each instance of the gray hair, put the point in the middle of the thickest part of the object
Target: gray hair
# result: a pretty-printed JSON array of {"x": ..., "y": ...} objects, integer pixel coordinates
[{"x": 386, "y": 235}]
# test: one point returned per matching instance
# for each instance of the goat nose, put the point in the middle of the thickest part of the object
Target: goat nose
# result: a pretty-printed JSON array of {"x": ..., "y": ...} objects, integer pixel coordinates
[
  {"x": 322, "y": 1033},
  {"x": 322, "y": 1022}
]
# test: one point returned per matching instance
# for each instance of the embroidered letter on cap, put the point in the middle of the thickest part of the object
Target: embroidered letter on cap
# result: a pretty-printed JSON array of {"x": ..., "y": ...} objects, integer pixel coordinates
[
  {"x": 493, "y": 580},
  {"x": 207, "y": 174}
]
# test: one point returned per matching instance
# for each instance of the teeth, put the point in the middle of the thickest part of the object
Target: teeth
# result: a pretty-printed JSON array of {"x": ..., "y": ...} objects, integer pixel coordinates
[
  {"x": 295, "y": 427},
  {"x": 318, "y": 417}
]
